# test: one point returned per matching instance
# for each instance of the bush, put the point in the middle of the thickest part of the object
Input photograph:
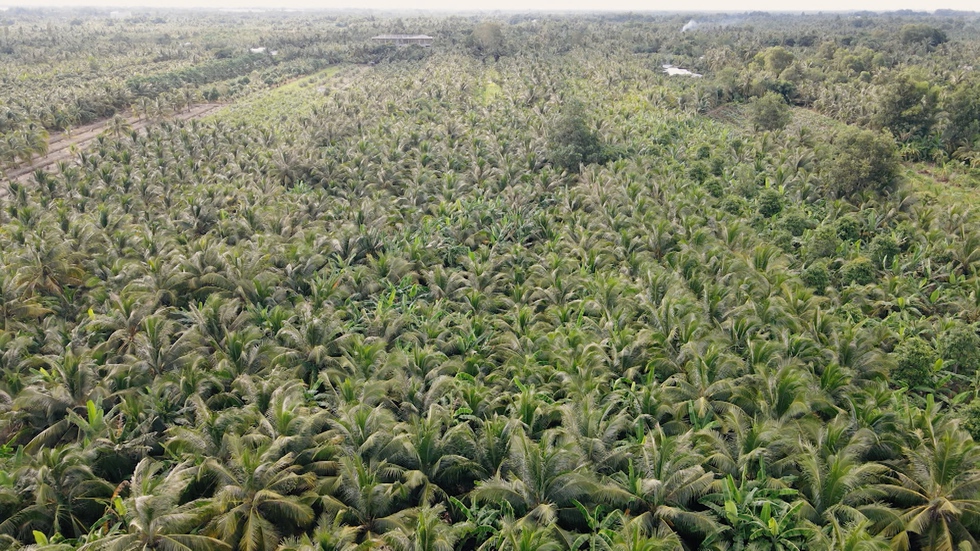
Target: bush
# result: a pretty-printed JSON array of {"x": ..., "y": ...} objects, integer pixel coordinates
[
  {"x": 770, "y": 203},
  {"x": 914, "y": 361},
  {"x": 884, "y": 249},
  {"x": 908, "y": 106},
  {"x": 571, "y": 143},
  {"x": 922, "y": 34},
  {"x": 714, "y": 187},
  {"x": 717, "y": 166},
  {"x": 862, "y": 160},
  {"x": 795, "y": 222},
  {"x": 848, "y": 229},
  {"x": 860, "y": 271},
  {"x": 816, "y": 276},
  {"x": 770, "y": 112},
  {"x": 733, "y": 204},
  {"x": 782, "y": 239},
  {"x": 698, "y": 172},
  {"x": 971, "y": 419},
  {"x": 959, "y": 347},
  {"x": 822, "y": 243}
]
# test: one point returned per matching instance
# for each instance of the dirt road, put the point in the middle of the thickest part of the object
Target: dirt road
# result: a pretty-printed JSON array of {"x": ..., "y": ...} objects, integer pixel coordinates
[{"x": 60, "y": 145}]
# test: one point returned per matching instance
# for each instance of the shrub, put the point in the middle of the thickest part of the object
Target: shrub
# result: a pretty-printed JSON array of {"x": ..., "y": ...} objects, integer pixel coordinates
[
  {"x": 714, "y": 187},
  {"x": 770, "y": 112},
  {"x": 699, "y": 172},
  {"x": 733, "y": 204},
  {"x": 795, "y": 222},
  {"x": 860, "y": 271},
  {"x": 822, "y": 243},
  {"x": 816, "y": 276},
  {"x": 782, "y": 239},
  {"x": 571, "y": 143},
  {"x": 971, "y": 419},
  {"x": 770, "y": 203},
  {"x": 717, "y": 166},
  {"x": 922, "y": 34},
  {"x": 884, "y": 249},
  {"x": 959, "y": 347},
  {"x": 862, "y": 160},
  {"x": 848, "y": 229},
  {"x": 914, "y": 361}
]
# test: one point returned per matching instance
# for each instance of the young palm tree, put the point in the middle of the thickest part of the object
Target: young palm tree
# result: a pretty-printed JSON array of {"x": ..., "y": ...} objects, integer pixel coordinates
[
  {"x": 152, "y": 516},
  {"x": 430, "y": 531},
  {"x": 663, "y": 484},
  {"x": 935, "y": 495},
  {"x": 67, "y": 497},
  {"x": 432, "y": 453},
  {"x": 540, "y": 481},
  {"x": 367, "y": 496},
  {"x": 261, "y": 496}
]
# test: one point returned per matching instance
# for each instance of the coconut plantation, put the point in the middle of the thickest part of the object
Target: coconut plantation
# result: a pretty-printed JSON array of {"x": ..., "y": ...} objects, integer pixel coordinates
[{"x": 328, "y": 280}]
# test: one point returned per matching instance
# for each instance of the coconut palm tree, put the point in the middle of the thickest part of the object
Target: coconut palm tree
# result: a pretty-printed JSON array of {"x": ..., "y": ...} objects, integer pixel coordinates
[
  {"x": 367, "y": 496},
  {"x": 261, "y": 496},
  {"x": 662, "y": 484},
  {"x": 934, "y": 495},
  {"x": 152, "y": 516},
  {"x": 67, "y": 497},
  {"x": 429, "y": 532},
  {"x": 541, "y": 480}
]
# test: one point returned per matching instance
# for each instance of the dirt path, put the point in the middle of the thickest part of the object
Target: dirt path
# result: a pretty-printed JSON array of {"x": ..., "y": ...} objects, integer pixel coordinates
[{"x": 60, "y": 145}]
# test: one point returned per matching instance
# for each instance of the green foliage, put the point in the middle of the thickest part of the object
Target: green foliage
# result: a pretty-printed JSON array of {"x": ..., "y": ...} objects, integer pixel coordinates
[
  {"x": 918, "y": 33},
  {"x": 487, "y": 39},
  {"x": 816, "y": 275},
  {"x": 770, "y": 112},
  {"x": 223, "y": 69},
  {"x": 733, "y": 204},
  {"x": 959, "y": 347},
  {"x": 795, "y": 222},
  {"x": 848, "y": 228},
  {"x": 777, "y": 59},
  {"x": 859, "y": 270},
  {"x": 862, "y": 160},
  {"x": 770, "y": 203},
  {"x": 714, "y": 187},
  {"x": 884, "y": 249},
  {"x": 971, "y": 419},
  {"x": 914, "y": 363},
  {"x": 823, "y": 242},
  {"x": 698, "y": 172},
  {"x": 908, "y": 106},
  {"x": 362, "y": 310},
  {"x": 962, "y": 104},
  {"x": 571, "y": 141}
]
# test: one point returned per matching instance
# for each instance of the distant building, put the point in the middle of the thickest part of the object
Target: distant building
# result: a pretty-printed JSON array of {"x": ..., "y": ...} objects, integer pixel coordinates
[{"x": 404, "y": 39}]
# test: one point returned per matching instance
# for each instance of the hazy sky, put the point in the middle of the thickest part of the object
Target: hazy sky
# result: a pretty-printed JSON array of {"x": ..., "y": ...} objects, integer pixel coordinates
[{"x": 525, "y": 5}]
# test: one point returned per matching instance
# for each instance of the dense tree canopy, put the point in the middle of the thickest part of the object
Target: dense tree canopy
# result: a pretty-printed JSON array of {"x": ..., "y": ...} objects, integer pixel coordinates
[{"x": 429, "y": 298}]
